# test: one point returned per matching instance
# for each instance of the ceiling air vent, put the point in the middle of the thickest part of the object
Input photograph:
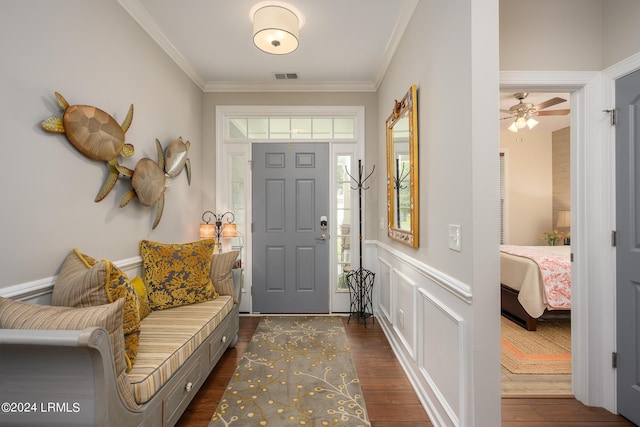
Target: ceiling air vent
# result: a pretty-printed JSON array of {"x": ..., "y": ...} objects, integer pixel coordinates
[{"x": 285, "y": 76}]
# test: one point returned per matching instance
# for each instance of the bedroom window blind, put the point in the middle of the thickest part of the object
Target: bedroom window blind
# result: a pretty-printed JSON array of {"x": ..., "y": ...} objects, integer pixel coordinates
[{"x": 502, "y": 194}]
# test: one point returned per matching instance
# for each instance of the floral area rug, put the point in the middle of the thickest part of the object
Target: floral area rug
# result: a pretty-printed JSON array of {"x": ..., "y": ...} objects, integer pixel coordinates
[
  {"x": 544, "y": 351},
  {"x": 297, "y": 371}
]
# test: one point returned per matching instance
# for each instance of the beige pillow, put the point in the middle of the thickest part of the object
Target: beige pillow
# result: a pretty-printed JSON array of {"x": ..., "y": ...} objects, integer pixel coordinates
[
  {"x": 177, "y": 274},
  {"x": 80, "y": 285},
  {"x": 22, "y": 315},
  {"x": 85, "y": 282},
  {"x": 221, "y": 273}
]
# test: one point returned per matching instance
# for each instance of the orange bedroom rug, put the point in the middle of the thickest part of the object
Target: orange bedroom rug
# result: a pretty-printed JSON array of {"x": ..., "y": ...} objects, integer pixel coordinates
[{"x": 545, "y": 351}]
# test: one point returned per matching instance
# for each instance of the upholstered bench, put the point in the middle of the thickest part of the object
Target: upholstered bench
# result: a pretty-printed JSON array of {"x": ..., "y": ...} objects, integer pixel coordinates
[
  {"x": 169, "y": 337},
  {"x": 85, "y": 364}
]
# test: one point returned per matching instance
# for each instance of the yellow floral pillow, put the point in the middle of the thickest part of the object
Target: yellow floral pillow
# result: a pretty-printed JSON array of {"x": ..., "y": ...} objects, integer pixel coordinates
[
  {"x": 141, "y": 293},
  {"x": 75, "y": 287},
  {"x": 177, "y": 274}
]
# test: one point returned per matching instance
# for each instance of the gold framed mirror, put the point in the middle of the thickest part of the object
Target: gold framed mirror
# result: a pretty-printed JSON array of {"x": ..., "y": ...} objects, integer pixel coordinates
[{"x": 402, "y": 170}]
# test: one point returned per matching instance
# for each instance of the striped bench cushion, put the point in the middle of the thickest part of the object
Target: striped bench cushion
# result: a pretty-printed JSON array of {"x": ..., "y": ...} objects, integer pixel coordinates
[{"x": 167, "y": 339}]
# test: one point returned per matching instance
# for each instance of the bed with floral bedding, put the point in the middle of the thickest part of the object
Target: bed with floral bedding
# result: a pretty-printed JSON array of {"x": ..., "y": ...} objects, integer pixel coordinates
[{"x": 535, "y": 280}]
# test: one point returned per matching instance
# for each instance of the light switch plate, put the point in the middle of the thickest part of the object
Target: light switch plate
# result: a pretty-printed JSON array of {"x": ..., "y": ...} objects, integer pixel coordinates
[{"x": 455, "y": 238}]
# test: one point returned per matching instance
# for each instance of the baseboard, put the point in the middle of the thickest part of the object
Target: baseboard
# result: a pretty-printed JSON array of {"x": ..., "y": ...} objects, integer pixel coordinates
[
  {"x": 414, "y": 303},
  {"x": 406, "y": 364}
]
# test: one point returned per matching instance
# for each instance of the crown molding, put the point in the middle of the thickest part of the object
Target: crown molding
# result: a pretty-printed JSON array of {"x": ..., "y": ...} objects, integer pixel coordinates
[
  {"x": 146, "y": 21},
  {"x": 137, "y": 11},
  {"x": 288, "y": 86},
  {"x": 398, "y": 31}
]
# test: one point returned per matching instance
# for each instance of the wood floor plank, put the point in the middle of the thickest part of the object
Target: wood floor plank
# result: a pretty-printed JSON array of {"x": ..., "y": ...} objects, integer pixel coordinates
[{"x": 391, "y": 400}]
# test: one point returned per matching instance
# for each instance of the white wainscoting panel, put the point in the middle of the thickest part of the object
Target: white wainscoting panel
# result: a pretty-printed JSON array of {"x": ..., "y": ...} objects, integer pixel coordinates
[
  {"x": 441, "y": 346},
  {"x": 432, "y": 346},
  {"x": 403, "y": 308},
  {"x": 384, "y": 289}
]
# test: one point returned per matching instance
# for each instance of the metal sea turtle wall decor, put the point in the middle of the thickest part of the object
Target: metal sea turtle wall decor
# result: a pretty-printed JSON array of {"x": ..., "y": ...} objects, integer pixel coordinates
[
  {"x": 95, "y": 134},
  {"x": 176, "y": 159},
  {"x": 98, "y": 136},
  {"x": 148, "y": 183},
  {"x": 150, "y": 179}
]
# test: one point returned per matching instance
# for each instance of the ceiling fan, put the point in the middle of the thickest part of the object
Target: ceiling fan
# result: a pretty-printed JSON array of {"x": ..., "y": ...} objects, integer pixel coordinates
[{"x": 523, "y": 112}]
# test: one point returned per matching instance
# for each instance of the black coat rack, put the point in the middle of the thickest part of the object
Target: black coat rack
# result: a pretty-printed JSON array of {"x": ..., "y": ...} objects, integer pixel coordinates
[{"x": 361, "y": 280}]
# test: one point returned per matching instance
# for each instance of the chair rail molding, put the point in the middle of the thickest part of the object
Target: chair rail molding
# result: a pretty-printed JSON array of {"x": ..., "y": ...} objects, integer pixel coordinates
[
  {"x": 39, "y": 291},
  {"x": 453, "y": 285},
  {"x": 421, "y": 309}
]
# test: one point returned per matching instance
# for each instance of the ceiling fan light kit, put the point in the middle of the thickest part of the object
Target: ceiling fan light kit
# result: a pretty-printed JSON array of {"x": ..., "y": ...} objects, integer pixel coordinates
[
  {"x": 275, "y": 29},
  {"x": 523, "y": 112},
  {"x": 521, "y": 123}
]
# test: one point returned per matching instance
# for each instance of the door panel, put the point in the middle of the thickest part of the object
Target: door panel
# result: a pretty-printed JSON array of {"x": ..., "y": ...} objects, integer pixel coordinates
[
  {"x": 628, "y": 244},
  {"x": 276, "y": 266},
  {"x": 305, "y": 266},
  {"x": 274, "y": 209},
  {"x": 290, "y": 259},
  {"x": 305, "y": 209}
]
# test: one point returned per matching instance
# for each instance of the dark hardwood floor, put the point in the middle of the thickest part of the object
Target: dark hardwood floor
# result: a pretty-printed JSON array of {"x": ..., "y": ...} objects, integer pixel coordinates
[{"x": 391, "y": 401}]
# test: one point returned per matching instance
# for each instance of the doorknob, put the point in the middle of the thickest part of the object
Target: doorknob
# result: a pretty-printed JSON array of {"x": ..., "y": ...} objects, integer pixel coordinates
[{"x": 322, "y": 237}]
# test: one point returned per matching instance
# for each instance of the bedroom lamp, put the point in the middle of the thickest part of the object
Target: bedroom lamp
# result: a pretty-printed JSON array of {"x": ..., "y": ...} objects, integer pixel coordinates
[
  {"x": 275, "y": 29},
  {"x": 217, "y": 230}
]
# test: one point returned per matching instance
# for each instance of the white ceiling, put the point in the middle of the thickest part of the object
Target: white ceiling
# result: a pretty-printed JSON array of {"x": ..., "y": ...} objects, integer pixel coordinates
[
  {"x": 344, "y": 44},
  {"x": 545, "y": 123}
]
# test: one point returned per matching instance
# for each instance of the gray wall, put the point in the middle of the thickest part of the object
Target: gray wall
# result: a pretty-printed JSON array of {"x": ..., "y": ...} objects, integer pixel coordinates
[
  {"x": 568, "y": 35},
  {"x": 93, "y": 53},
  {"x": 621, "y": 32},
  {"x": 450, "y": 51}
]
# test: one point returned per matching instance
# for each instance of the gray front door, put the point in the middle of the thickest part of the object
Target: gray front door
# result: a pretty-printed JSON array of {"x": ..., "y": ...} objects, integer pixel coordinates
[
  {"x": 628, "y": 244},
  {"x": 290, "y": 255}
]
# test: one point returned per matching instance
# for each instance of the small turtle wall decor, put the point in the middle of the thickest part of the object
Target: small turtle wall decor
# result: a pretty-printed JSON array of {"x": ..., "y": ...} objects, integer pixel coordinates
[
  {"x": 148, "y": 182},
  {"x": 95, "y": 134},
  {"x": 175, "y": 159}
]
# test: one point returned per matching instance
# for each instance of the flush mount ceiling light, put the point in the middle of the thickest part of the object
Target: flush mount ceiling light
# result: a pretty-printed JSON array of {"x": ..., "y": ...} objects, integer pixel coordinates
[{"x": 275, "y": 29}]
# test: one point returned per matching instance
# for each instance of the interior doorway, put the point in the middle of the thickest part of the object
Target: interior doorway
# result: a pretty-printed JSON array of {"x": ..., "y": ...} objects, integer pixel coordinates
[{"x": 535, "y": 164}]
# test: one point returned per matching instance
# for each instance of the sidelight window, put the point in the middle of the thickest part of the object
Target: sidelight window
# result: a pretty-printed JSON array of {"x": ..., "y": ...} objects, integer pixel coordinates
[{"x": 344, "y": 215}]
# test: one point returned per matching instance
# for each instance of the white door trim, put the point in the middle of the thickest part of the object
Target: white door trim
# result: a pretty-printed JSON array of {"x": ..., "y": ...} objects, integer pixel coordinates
[
  {"x": 593, "y": 212},
  {"x": 224, "y": 146}
]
